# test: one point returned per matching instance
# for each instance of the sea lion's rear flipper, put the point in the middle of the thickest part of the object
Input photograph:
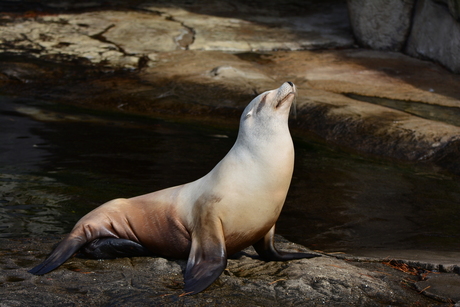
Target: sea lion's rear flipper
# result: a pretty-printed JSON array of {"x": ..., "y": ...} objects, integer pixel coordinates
[
  {"x": 207, "y": 259},
  {"x": 111, "y": 248},
  {"x": 61, "y": 253},
  {"x": 266, "y": 249}
]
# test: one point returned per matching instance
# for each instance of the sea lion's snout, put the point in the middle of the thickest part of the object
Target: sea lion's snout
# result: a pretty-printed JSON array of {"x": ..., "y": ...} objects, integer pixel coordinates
[
  {"x": 293, "y": 89},
  {"x": 284, "y": 92}
]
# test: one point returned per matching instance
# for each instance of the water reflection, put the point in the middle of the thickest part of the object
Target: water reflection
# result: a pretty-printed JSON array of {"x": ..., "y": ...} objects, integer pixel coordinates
[
  {"x": 352, "y": 203},
  {"x": 56, "y": 169}
]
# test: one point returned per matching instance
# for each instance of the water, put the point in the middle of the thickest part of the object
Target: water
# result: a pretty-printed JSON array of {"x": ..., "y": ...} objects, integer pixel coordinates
[
  {"x": 449, "y": 115},
  {"x": 59, "y": 162}
]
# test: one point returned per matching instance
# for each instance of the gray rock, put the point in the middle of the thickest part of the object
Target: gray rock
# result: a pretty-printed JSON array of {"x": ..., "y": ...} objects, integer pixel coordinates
[
  {"x": 435, "y": 35},
  {"x": 247, "y": 281},
  {"x": 382, "y": 25},
  {"x": 454, "y": 7},
  {"x": 397, "y": 25},
  {"x": 444, "y": 287}
]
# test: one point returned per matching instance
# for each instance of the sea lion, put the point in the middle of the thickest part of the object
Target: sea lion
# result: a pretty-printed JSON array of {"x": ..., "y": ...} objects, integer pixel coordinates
[{"x": 232, "y": 207}]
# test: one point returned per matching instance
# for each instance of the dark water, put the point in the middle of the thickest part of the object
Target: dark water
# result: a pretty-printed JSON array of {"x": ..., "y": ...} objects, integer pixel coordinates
[{"x": 59, "y": 162}]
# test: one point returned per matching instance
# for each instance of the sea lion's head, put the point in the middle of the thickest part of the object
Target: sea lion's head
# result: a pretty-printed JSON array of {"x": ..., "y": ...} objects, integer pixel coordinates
[{"x": 270, "y": 106}]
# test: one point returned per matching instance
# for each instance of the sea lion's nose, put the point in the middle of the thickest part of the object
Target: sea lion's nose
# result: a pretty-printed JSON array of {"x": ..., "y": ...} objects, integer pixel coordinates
[{"x": 290, "y": 83}]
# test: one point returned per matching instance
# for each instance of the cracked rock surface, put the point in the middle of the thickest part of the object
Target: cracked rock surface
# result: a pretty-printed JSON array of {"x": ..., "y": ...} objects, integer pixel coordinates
[{"x": 120, "y": 38}]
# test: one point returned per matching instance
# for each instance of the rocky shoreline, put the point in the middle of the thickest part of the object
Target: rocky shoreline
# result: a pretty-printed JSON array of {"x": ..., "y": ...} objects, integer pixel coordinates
[
  {"x": 248, "y": 281},
  {"x": 186, "y": 62}
]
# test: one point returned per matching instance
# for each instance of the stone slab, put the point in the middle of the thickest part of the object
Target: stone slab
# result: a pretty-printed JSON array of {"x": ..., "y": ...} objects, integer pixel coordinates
[{"x": 247, "y": 281}]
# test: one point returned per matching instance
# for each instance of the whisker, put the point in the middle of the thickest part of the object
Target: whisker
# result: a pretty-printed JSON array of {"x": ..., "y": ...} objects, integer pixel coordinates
[{"x": 293, "y": 110}]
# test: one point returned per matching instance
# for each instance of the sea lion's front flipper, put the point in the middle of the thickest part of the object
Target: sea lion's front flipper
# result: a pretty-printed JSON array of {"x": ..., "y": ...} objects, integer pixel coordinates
[
  {"x": 266, "y": 249},
  {"x": 61, "y": 253},
  {"x": 207, "y": 259}
]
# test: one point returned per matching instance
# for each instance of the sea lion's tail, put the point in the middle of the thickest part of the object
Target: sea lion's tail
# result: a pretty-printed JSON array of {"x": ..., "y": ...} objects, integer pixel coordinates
[{"x": 61, "y": 253}]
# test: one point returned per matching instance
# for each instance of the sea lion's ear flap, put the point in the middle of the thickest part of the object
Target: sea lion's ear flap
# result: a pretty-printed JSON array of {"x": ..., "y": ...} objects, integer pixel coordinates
[
  {"x": 207, "y": 260},
  {"x": 262, "y": 103}
]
